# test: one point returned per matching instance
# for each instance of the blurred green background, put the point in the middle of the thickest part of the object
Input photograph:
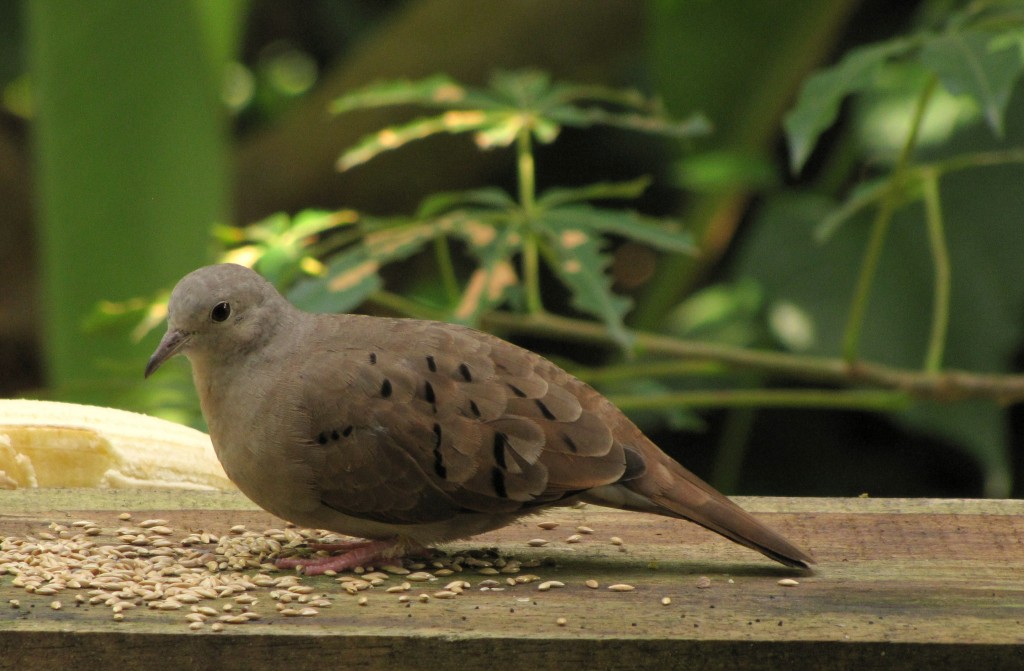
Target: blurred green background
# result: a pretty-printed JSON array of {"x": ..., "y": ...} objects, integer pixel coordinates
[{"x": 129, "y": 130}]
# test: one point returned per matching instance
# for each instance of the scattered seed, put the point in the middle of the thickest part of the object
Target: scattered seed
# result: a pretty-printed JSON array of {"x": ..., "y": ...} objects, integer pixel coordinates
[
  {"x": 549, "y": 584},
  {"x": 445, "y": 594},
  {"x": 537, "y": 542},
  {"x": 395, "y": 570},
  {"x": 403, "y": 599},
  {"x": 124, "y": 516},
  {"x": 561, "y": 622},
  {"x": 666, "y": 600},
  {"x": 216, "y": 626},
  {"x": 575, "y": 538},
  {"x": 196, "y": 626},
  {"x": 363, "y": 601},
  {"x": 592, "y": 584},
  {"x": 615, "y": 540},
  {"x": 584, "y": 530},
  {"x": 703, "y": 582},
  {"x": 148, "y": 524},
  {"x": 420, "y": 576},
  {"x": 56, "y": 605},
  {"x": 785, "y": 582},
  {"x": 621, "y": 587},
  {"x": 14, "y": 603},
  {"x": 488, "y": 570},
  {"x": 547, "y": 525},
  {"x": 424, "y": 598}
]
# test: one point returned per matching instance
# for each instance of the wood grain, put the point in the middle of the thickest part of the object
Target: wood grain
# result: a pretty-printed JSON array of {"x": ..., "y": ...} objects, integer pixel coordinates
[{"x": 900, "y": 584}]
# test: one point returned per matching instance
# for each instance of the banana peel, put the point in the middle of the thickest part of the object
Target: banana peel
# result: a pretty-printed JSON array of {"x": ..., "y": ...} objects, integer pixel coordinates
[{"x": 51, "y": 444}]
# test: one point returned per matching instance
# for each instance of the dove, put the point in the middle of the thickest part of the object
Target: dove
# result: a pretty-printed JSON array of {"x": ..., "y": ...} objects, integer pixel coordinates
[{"x": 405, "y": 433}]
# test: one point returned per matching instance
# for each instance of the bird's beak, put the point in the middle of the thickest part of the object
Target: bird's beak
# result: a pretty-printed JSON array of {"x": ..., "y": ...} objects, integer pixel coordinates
[{"x": 170, "y": 344}]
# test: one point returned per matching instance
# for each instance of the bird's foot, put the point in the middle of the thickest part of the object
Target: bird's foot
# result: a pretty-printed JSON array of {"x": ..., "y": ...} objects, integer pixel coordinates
[{"x": 354, "y": 553}]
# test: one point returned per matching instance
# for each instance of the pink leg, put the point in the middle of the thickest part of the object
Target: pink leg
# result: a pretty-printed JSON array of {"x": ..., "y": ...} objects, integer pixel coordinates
[{"x": 356, "y": 554}]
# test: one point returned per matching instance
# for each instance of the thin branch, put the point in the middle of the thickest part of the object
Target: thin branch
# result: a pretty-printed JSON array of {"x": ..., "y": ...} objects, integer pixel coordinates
[
  {"x": 846, "y": 399},
  {"x": 950, "y": 385}
]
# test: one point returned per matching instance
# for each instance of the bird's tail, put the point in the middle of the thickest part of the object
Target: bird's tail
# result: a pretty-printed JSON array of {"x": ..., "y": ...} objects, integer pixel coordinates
[{"x": 666, "y": 488}]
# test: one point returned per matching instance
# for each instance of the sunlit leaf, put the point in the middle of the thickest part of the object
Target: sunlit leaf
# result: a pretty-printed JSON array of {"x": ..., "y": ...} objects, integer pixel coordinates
[
  {"x": 818, "y": 103},
  {"x": 435, "y": 91},
  {"x": 350, "y": 278},
  {"x": 489, "y": 284},
  {"x": 394, "y": 137},
  {"x": 967, "y": 64}
]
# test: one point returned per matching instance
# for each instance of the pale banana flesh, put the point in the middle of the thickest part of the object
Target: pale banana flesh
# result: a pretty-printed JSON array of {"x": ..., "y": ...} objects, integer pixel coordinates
[{"x": 50, "y": 444}]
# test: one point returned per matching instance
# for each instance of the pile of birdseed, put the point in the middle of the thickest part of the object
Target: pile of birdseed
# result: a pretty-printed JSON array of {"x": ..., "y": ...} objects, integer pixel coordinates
[{"x": 219, "y": 581}]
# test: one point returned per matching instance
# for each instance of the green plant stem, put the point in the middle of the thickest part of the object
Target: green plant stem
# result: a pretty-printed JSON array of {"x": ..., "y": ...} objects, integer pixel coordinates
[
  {"x": 940, "y": 257},
  {"x": 876, "y": 243},
  {"x": 848, "y": 399},
  {"x": 648, "y": 369},
  {"x": 950, "y": 385},
  {"x": 528, "y": 204},
  {"x": 447, "y": 269}
]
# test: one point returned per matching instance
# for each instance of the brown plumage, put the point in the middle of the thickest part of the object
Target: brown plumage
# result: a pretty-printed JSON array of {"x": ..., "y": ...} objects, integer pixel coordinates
[{"x": 409, "y": 432}]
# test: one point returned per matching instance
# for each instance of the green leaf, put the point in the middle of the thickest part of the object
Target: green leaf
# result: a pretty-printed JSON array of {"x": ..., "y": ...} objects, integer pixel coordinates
[
  {"x": 349, "y": 279},
  {"x": 696, "y": 125},
  {"x": 490, "y": 283},
  {"x": 394, "y": 137},
  {"x": 353, "y": 275},
  {"x": 556, "y": 197},
  {"x": 436, "y": 91},
  {"x": 488, "y": 197},
  {"x": 977, "y": 64},
  {"x": 818, "y": 103},
  {"x": 575, "y": 256},
  {"x": 664, "y": 235},
  {"x": 864, "y": 195}
]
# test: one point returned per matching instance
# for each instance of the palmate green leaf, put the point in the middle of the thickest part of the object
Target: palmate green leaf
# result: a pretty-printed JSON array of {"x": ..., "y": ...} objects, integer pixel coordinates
[
  {"x": 575, "y": 255},
  {"x": 818, "y": 103},
  {"x": 556, "y": 197},
  {"x": 353, "y": 275},
  {"x": 667, "y": 236},
  {"x": 978, "y": 64}
]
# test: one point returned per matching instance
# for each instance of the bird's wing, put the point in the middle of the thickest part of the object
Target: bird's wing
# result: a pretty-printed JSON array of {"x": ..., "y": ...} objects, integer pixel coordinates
[{"x": 415, "y": 422}]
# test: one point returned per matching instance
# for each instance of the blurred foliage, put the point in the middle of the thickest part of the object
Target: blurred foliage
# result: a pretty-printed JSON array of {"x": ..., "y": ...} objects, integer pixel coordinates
[{"x": 888, "y": 232}]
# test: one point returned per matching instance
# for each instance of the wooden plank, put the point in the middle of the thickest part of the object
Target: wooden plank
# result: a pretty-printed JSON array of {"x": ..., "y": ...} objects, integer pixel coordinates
[{"x": 900, "y": 584}]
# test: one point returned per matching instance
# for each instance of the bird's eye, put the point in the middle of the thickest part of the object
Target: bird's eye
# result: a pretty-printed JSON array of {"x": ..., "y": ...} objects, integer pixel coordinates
[{"x": 221, "y": 311}]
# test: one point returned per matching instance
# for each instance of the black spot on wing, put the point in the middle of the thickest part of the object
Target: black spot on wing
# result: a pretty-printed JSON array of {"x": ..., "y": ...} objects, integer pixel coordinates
[
  {"x": 473, "y": 408},
  {"x": 498, "y": 481},
  {"x": 500, "y": 443},
  {"x": 544, "y": 409},
  {"x": 517, "y": 391},
  {"x": 385, "y": 388},
  {"x": 428, "y": 393},
  {"x": 373, "y": 358},
  {"x": 431, "y": 364},
  {"x": 464, "y": 372},
  {"x": 570, "y": 443}
]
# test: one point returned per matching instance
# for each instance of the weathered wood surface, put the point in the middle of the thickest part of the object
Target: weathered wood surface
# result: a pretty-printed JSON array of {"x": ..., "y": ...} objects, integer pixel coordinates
[{"x": 900, "y": 584}]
